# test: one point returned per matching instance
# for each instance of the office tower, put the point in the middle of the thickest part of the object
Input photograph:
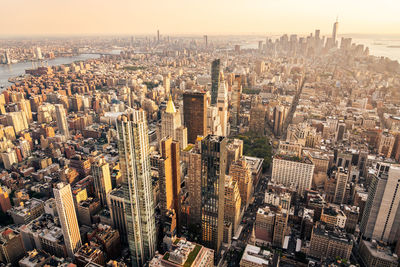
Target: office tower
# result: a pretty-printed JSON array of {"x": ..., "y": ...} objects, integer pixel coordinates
[
  {"x": 381, "y": 218},
  {"x": 340, "y": 131},
  {"x": 171, "y": 125},
  {"x": 169, "y": 177},
  {"x": 215, "y": 79},
  {"x": 236, "y": 97},
  {"x": 386, "y": 144},
  {"x": 334, "y": 32},
  {"x": 195, "y": 115},
  {"x": 158, "y": 36},
  {"x": 260, "y": 45},
  {"x": 5, "y": 203},
  {"x": 213, "y": 121},
  {"x": 317, "y": 34},
  {"x": 7, "y": 57},
  {"x": 116, "y": 205},
  {"x": 257, "y": 119},
  {"x": 281, "y": 219},
  {"x": 342, "y": 176},
  {"x": 25, "y": 106},
  {"x": 167, "y": 85},
  {"x": 193, "y": 184},
  {"x": 9, "y": 157},
  {"x": 206, "y": 40},
  {"x": 279, "y": 119},
  {"x": 133, "y": 148},
  {"x": 260, "y": 67},
  {"x": 11, "y": 247},
  {"x": 213, "y": 164},
  {"x": 325, "y": 244},
  {"x": 68, "y": 219},
  {"x": 240, "y": 172},
  {"x": 234, "y": 151},
  {"x": 296, "y": 173},
  {"x": 232, "y": 203},
  {"x": 264, "y": 224},
  {"x": 18, "y": 120},
  {"x": 222, "y": 105},
  {"x": 62, "y": 123},
  {"x": 39, "y": 53},
  {"x": 102, "y": 179}
]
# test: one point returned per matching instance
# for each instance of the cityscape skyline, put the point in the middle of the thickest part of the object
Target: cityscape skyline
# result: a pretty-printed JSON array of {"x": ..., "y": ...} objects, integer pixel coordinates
[{"x": 123, "y": 17}]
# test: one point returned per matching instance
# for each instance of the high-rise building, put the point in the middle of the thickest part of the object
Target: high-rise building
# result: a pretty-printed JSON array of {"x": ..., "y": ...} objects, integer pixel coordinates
[
  {"x": 296, "y": 173},
  {"x": 194, "y": 185},
  {"x": 133, "y": 148},
  {"x": 195, "y": 115},
  {"x": 11, "y": 247},
  {"x": 335, "y": 31},
  {"x": 169, "y": 177},
  {"x": 116, "y": 205},
  {"x": 171, "y": 125},
  {"x": 232, "y": 203},
  {"x": 62, "y": 123},
  {"x": 381, "y": 218},
  {"x": 39, "y": 53},
  {"x": 213, "y": 161},
  {"x": 240, "y": 172},
  {"x": 5, "y": 203},
  {"x": 281, "y": 219},
  {"x": 68, "y": 219},
  {"x": 257, "y": 119},
  {"x": 236, "y": 97},
  {"x": 102, "y": 179},
  {"x": 279, "y": 119},
  {"x": 167, "y": 85},
  {"x": 342, "y": 176},
  {"x": 215, "y": 79},
  {"x": 222, "y": 105}
]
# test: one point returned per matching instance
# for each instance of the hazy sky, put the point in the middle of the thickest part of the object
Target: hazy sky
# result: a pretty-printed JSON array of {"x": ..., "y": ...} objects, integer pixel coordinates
[{"x": 49, "y": 17}]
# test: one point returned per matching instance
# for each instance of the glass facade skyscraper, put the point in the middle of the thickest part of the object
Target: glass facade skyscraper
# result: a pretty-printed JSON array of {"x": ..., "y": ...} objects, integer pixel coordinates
[{"x": 213, "y": 160}]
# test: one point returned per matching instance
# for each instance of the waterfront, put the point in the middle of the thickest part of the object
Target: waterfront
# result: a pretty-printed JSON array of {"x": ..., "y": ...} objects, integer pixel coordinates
[{"x": 17, "y": 69}]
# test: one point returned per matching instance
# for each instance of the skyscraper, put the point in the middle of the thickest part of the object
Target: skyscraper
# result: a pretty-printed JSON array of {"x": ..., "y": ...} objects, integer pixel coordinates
[
  {"x": 195, "y": 114},
  {"x": 39, "y": 53},
  {"x": 215, "y": 79},
  {"x": 257, "y": 119},
  {"x": 293, "y": 172},
  {"x": 222, "y": 104},
  {"x": 194, "y": 185},
  {"x": 341, "y": 181},
  {"x": 213, "y": 161},
  {"x": 236, "y": 97},
  {"x": 381, "y": 218},
  {"x": 102, "y": 179},
  {"x": 62, "y": 123},
  {"x": 334, "y": 32},
  {"x": 68, "y": 220},
  {"x": 171, "y": 125},
  {"x": 133, "y": 148},
  {"x": 169, "y": 177}
]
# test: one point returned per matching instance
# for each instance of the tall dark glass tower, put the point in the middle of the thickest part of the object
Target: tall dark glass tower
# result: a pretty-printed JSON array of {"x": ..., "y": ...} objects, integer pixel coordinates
[
  {"x": 215, "y": 79},
  {"x": 213, "y": 161}
]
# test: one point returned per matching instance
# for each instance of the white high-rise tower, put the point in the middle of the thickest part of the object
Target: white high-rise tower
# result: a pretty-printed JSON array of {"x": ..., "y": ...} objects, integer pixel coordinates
[
  {"x": 222, "y": 105},
  {"x": 67, "y": 214},
  {"x": 62, "y": 123}
]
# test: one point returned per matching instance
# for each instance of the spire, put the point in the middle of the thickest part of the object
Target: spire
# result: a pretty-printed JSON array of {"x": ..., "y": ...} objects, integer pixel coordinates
[{"x": 170, "y": 106}]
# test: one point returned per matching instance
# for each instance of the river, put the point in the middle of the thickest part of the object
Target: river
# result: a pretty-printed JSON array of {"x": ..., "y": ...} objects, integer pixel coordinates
[{"x": 14, "y": 70}]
